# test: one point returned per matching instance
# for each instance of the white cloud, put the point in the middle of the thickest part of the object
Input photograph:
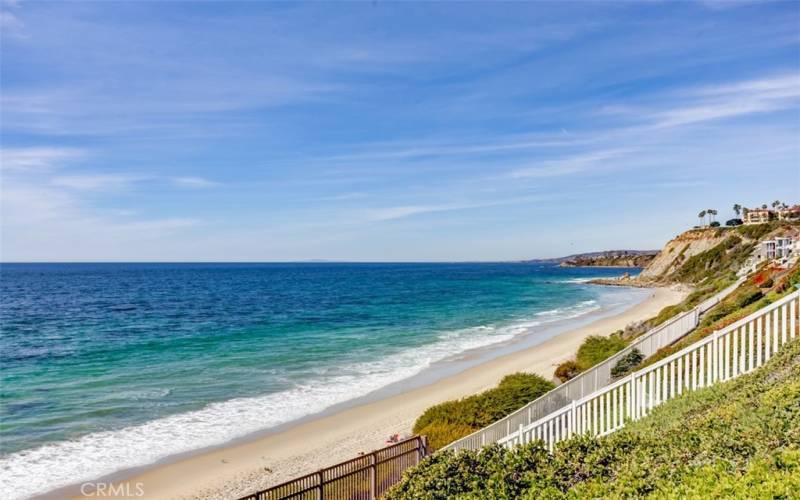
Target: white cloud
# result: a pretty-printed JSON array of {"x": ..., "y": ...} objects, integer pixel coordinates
[
  {"x": 402, "y": 211},
  {"x": 53, "y": 223},
  {"x": 193, "y": 182},
  {"x": 399, "y": 212},
  {"x": 570, "y": 165},
  {"x": 731, "y": 100},
  {"x": 97, "y": 182},
  {"x": 11, "y": 25},
  {"x": 37, "y": 158}
]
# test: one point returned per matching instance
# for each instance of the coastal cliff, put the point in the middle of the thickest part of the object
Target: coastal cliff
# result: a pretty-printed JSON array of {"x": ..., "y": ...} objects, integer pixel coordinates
[
  {"x": 611, "y": 258},
  {"x": 679, "y": 250},
  {"x": 701, "y": 256}
]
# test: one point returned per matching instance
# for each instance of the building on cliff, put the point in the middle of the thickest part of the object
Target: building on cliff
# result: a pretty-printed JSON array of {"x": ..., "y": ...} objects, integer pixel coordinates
[
  {"x": 758, "y": 215},
  {"x": 764, "y": 215}
]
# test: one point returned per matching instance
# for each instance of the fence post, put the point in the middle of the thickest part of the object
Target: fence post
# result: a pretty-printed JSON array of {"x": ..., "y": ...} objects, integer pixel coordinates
[
  {"x": 715, "y": 371},
  {"x": 632, "y": 396},
  {"x": 319, "y": 488},
  {"x": 373, "y": 476},
  {"x": 572, "y": 416}
]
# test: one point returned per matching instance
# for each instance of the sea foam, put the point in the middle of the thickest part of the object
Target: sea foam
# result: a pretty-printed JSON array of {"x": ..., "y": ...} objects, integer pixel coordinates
[{"x": 91, "y": 456}]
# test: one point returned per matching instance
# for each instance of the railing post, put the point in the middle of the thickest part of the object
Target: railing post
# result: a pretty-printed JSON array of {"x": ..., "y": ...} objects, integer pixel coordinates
[
  {"x": 373, "y": 476},
  {"x": 572, "y": 416},
  {"x": 715, "y": 358},
  {"x": 319, "y": 486},
  {"x": 632, "y": 396}
]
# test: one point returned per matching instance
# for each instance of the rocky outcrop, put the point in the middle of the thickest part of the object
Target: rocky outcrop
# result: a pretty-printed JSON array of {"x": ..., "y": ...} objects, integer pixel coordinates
[
  {"x": 617, "y": 258},
  {"x": 678, "y": 250}
]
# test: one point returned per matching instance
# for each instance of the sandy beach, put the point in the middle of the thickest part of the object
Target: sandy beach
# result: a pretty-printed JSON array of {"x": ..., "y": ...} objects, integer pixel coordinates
[{"x": 242, "y": 468}]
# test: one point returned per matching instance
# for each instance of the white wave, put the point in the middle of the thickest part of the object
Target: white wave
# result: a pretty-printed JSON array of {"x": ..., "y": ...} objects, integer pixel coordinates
[
  {"x": 89, "y": 457},
  {"x": 572, "y": 311},
  {"x": 579, "y": 280}
]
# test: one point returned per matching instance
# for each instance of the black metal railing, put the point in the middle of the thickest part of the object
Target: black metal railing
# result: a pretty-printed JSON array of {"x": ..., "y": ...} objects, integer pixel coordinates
[{"x": 366, "y": 477}]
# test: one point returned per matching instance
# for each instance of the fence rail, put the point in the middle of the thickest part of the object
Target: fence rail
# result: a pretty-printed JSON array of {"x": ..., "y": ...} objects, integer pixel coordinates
[
  {"x": 736, "y": 349},
  {"x": 591, "y": 380},
  {"x": 366, "y": 477}
]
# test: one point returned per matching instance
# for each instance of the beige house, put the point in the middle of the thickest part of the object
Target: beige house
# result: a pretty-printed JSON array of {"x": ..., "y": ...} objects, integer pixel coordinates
[
  {"x": 758, "y": 215},
  {"x": 791, "y": 213}
]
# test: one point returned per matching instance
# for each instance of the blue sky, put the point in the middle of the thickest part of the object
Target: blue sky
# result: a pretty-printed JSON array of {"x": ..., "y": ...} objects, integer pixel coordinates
[{"x": 388, "y": 131}]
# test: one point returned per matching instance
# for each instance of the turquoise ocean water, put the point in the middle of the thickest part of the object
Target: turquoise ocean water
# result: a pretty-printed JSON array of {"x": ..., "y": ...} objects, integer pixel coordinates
[{"x": 111, "y": 366}]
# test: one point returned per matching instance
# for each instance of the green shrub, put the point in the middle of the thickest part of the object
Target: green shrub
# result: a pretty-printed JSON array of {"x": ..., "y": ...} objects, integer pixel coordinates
[
  {"x": 567, "y": 370},
  {"x": 737, "y": 439},
  {"x": 719, "y": 259},
  {"x": 451, "y": 420},
  {"x": 597, "y": 348},
  {"x": 745, "y": 299},
  {"x": 755, "y": 231},
  {"x": 443, "y": 433},
  {"x": 627, "y": 363}
]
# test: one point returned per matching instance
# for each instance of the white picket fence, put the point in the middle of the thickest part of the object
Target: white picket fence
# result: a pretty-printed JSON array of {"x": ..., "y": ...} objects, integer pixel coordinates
[
  {"x": 591, "y": 380},
  {"x": 726, "y": 354}
]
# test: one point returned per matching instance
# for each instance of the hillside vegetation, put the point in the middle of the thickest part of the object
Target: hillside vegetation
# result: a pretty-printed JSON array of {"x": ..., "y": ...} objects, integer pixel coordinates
[
  {"x": 705, "y": 259},
  {"x": 612, "y": 258},
  {"x": 701, "y": 255},
  {"x": 708, "y": 260},
  {"x": 737, "y": 439},
  {"x": 451, "y": 420},
  {"x": 768, "y": 285}
]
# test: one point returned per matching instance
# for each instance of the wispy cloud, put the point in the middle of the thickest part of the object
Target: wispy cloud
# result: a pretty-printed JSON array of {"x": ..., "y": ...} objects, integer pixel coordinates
[
  {"x": 194, "y": 182},
  {"x": 732, "y": 100},
  {"x": 407, "y": 150},
  {"x": 10, "y": 24},
  {"x": 403, "y": 211},
  {"x": 37, "y": 158},
  {"x": 570, "y": 164},
  {"x": 97, "y": 182}
]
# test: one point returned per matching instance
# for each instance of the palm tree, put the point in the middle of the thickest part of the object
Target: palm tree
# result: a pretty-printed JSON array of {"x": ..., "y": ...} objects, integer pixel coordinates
[
  {"x": 702, "y": 216},
  {"x": 713, "y": 214},
  {"x": 776, "y": 203},
  {"x": 737, "y": 209}
]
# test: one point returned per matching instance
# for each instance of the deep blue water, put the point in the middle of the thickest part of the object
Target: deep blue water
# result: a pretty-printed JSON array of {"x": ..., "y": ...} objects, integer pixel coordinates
[{"x": 108, "y": 366}]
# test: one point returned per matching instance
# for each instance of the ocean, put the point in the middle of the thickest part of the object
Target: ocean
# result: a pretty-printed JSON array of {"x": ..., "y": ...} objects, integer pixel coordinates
[{"x": 112, "y": 366}]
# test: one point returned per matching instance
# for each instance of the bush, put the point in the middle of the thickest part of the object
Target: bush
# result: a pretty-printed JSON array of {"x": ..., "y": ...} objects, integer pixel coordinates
[
  {"x": 724, "y": 256},
  {"x": 451, "y": 420},
  {"x": 714, "y": 224},
  {"x": 567, "y": 370},
  {"x": 733, "y": 222},
  {"x": 441, "y": 434},
  {"x": 597, "y": 348},
  {"x": 592, "y": 351},
  {"x": 627, "y": 363},
  {"x": 737, "y": 439},
  {"x": 755, "y": 231}
]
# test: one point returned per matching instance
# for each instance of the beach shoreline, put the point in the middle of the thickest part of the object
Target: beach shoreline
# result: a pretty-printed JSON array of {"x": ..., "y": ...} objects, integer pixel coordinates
[{"x": 256, "y": 462}]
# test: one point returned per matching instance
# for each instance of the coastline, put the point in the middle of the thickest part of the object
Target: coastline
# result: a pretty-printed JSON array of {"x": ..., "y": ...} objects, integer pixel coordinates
[{"x": 247, "y": 465}]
